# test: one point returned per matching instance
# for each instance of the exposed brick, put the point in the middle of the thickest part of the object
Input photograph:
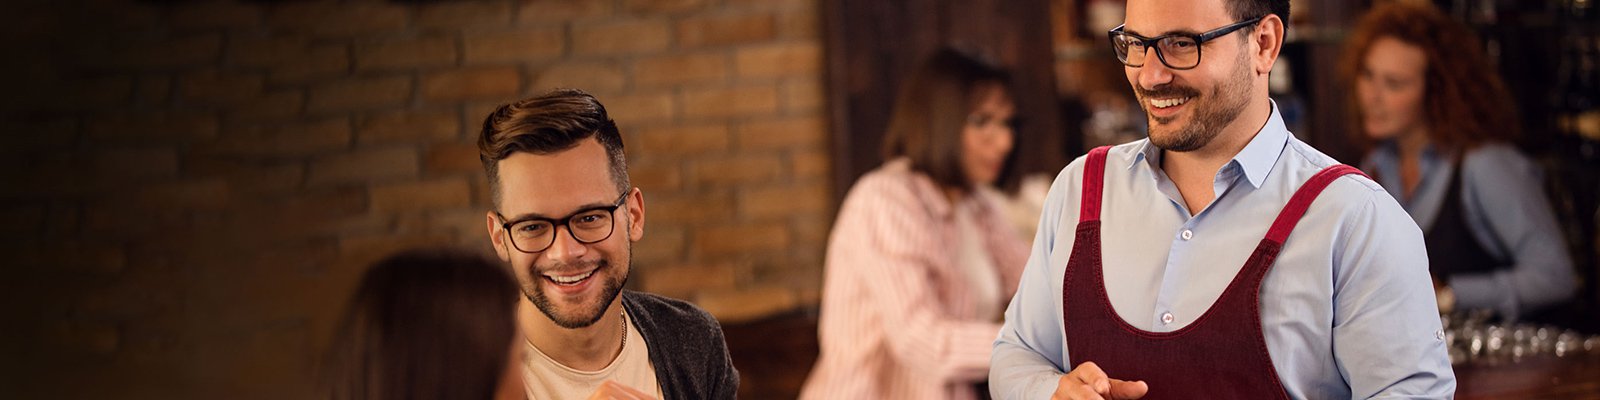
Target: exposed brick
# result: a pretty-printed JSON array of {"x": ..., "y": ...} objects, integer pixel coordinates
[
  {"x": 794, "y": 200},
  {"x": 544, "y": 11},
  {"x": 408, "y": 126},
  {"x": 430, "y": 51},
  {"x": 692, "y": 208},
  {"x": 80, "y": 338},
  {"x": 145, "y": 128},
  {"x": 802, "y": 96},
  {"x": 37, "y": 134},
  {"x": 653, "y": 177},
  {"x": 205, "y": 194},
  {"x": 683, "y": 281},
  {"x": 352, "y": 94},
  {"x": 514, "y": 46},
  {"x": 339, "y": 19},
  {"x": 273, "y": 106},
  {"x": 219, "y": 15},
  {"x": 747, "y": 168},
  {"x": 683, "y": 140},
  {"x": 621, "y": 37},
  {"x": 182, "y": 52},
  {"x": 744, "y": 304},
  {"x": 476, "y": 83},
  {"x": 258, "y": 51},
  {"x": 322, "y": 61},
  {"x": 785, "y": 5},
  {"x": 453, "y": 157},
  {"x": 466, "y": 14},
  {"x": 639, "y": 107},
  {"x": 787, "y": 133},
  {"x": 133, "y": 164},
  {"x": 811, "y": 164},
  {"x": 722, "y": 30},
  {"x": 799, "y": 24},
  {"x": 295, "y": 139},
  {"x": 589, "y": 76},
  {"x": 662, "y": 6},
  {"x": 364, "y": 166},
  {"x": 425, "y": 195},
  {"x": 782, "y": 60},
  {"x": 730, "y": 102},
  {"x": 153, "y": 90},
  {"x": 681, "y": 69},
  {"x": 662, "y": 244},
  {"x": 220, "y": 88},
  {"x": 249, "y": 178},
  {"x": 74, "y": 256}
]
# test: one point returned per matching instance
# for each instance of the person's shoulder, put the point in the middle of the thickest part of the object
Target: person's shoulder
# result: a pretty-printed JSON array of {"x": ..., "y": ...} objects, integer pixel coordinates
[
  {"x": 1349, "y": 191},
  {"x": 1497, "y": 160},
  {"x": 658, "y": 310}
]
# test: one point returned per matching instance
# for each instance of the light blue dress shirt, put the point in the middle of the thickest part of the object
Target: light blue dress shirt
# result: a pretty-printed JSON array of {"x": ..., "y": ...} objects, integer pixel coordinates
[
  {"x": 1521, "y": 229},
  {"x": 1347, "y": 311}
]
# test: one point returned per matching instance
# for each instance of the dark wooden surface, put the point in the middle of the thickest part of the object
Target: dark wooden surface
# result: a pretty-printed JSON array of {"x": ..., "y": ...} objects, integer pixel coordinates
[{"x": 1576, "y": 378}]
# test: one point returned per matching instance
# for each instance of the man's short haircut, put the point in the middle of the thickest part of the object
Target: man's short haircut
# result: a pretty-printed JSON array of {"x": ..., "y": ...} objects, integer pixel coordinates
[
  {"x": 549, "y": 123},
  {"x": 1246, "y": 9}
]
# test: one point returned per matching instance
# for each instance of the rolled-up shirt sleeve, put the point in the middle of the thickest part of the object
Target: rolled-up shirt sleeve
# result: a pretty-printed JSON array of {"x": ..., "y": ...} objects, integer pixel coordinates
[{"x": 1387, "y": 339}]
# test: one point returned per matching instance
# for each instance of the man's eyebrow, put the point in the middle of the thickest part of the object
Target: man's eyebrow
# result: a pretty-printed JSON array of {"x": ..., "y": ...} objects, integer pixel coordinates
[
  {"x": 582, "y": 208},
  {"x": 1136, "y": 33}
]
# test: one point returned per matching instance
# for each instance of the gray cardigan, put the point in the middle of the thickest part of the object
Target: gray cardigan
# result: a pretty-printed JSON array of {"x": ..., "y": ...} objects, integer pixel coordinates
[{"x": 686, "y": 347}]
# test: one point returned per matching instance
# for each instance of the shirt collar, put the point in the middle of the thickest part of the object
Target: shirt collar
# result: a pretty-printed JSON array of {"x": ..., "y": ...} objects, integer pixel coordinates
[{"x": 1255, "y": 160}]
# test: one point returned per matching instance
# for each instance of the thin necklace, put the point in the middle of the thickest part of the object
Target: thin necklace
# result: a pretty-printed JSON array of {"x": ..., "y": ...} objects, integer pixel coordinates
[{"x": 624, "y": 345}]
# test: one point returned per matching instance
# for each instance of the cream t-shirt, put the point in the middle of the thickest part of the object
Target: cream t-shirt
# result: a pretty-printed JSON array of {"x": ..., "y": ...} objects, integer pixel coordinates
[{"x": 546, "y": 379}]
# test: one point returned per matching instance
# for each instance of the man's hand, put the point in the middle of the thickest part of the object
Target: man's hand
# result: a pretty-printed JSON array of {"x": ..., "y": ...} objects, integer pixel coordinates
[
  {"x": 611, "y": 390},
  {"x": 1088, "y": 382}
]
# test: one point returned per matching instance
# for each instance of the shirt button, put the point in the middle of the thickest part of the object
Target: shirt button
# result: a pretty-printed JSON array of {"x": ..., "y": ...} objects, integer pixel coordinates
[
  {"x": 1187, "y": 234},
  {"x": 1166, "y": 318}
]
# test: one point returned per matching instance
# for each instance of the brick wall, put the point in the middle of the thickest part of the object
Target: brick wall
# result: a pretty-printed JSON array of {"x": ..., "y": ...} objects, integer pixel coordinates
[{"x": 191, "y": 189}]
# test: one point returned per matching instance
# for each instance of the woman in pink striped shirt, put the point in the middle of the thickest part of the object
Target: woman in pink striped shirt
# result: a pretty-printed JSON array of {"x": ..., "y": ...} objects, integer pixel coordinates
[{"x": 921, "y": 261}]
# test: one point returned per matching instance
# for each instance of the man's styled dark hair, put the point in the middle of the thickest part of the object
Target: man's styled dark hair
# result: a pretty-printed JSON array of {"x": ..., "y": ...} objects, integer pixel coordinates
[
  {"x": 931, "y": 112},
  {"x": 545, "y": 124},
  {"x": 1246, "y": 9},
  {"x": 425, "y": 324}
]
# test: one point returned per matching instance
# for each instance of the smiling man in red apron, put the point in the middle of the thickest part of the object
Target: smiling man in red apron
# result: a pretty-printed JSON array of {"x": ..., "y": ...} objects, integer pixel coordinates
[{"x": 1221, "y": 257}]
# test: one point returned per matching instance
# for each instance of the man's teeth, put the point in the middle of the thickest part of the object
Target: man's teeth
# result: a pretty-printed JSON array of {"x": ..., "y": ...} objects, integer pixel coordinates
[
  {"x": 1164, "y": 103},
  {"x": 571, "y": 279}
]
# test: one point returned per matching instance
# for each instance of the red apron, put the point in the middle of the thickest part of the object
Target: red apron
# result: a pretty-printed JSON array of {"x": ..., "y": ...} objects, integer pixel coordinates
[{"x": 1220, "y": 355}]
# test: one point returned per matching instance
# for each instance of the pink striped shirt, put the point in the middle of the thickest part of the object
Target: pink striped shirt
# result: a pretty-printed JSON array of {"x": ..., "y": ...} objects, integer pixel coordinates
[{"x": 899, "y": 320}]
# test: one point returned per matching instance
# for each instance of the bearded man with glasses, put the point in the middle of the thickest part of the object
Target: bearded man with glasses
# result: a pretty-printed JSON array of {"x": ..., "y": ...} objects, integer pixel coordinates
[
  {"x": 1221, "y": 257},
  {"x": 565, "y": 218}
]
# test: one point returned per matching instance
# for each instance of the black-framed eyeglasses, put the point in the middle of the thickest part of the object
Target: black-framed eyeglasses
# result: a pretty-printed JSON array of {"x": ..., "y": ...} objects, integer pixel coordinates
[
  {"x": 1176, "y": 50},
  {"x": 587, "y": 226}
]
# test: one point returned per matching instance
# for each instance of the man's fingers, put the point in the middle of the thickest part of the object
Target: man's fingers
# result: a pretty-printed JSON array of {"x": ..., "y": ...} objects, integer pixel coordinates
[
  {"x": 1082, "y": 392},
  {"x": 1121, "y": 389},
  {"x": 1090, "y": 374}
]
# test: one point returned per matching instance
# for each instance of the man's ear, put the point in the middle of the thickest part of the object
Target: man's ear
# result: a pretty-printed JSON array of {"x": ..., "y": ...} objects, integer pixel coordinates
[
  {"x": 1267, "y": 41},
  {"x": 496, "y": 237},
  {"x": 636, "y": 210}
]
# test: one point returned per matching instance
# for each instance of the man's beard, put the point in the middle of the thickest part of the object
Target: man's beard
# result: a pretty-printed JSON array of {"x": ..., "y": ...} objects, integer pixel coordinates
[
  {"x": 1210, "y": 114},
  {"x": 580, "y": 317}
]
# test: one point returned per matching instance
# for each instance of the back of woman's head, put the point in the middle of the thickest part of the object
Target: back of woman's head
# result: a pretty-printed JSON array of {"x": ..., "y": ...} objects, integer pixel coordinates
[
  {"x": 931, "y": 111},
  {"x": 425, "y": 324},
  {"x": 1465, "y": 102}
]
